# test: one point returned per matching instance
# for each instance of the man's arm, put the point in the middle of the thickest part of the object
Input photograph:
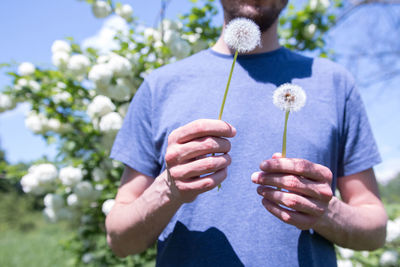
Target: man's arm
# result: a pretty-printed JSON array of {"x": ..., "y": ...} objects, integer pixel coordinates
[
  {"x": 358, "y": 221},
  {"x": 145, "y": 205}
]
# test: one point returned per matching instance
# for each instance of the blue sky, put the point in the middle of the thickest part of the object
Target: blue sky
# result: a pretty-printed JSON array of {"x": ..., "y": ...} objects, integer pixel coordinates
[{"x": 28, "y": 29}]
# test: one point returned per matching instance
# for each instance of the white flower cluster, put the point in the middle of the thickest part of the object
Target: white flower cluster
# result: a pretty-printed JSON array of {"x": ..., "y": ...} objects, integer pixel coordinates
[
  {"x": 60, "y": 95},
  {"x": 124, "y": 11},
  {"x": 55, "y": 209},
  {"x": 24, "y": 83},
  {"x": 319, "y": 5},
  {"x": 110, "y": 66},
  {"x": 289, "y": 97},
  {"x": 70, "y": 176},
  {"x": 309, "y": 31},
  {"x": 101, "y": 9},
  {"x": 38, "y": 123},
  {"x": 177, "y": 43},
  {"x": 393, "y": 230},
  {"x": 39, "y": 178},
  {"x": 61, "y": 53},
  {"x": 6, "y": 102},
  {"x": 242, "y": 35},
  {"x": 389, "y": 258},
  {"x": 26, "y": 69},
  {"x": 111, "y": 122},
  {"x": 77, "y": 65},
  {"x": 107, "y": 206},
  {"x": 346, "y": 253},
  {"x": 100, "y": 106}
]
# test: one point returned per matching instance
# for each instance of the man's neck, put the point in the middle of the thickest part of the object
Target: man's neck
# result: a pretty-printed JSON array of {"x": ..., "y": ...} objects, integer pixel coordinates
[{"x": 269, "y": 42}]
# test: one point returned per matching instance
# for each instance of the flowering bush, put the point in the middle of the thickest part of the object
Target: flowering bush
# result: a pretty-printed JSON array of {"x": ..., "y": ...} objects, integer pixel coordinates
[{"x": 80, "y": 103}]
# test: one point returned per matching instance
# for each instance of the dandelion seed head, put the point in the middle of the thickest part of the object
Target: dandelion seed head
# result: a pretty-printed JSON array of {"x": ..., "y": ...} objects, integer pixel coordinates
[
  {"x": 242, "y": 35},
  {"x": 289, "y": 97}
]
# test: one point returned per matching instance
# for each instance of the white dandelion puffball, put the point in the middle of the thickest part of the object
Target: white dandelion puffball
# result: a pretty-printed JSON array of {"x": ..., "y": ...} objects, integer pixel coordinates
[
  {"x": 100, "y": 106},
  {"x": 78, "y": 64},
  {"x": 101, "y": 75},
  {"x": 107, "y": 206},
  {"x": 120, "y": 66},
  {"x": 389, "y": 258},
  {"x": 26, "y": 69},
  {"x": 111, "y": 122},
  {"x": 70, "y": 176},
  {"x": 6, "y": 102},
  {"x": 60, "y": 46},
  {"x": 72, "y": 200},
  {"x": 124, "y": 11},
  {"x": 289, "y": 97},
  {"x": 242, "y": 35},
  {"x": 101, "y": 9},
  {"x": 53, "y": 201}
]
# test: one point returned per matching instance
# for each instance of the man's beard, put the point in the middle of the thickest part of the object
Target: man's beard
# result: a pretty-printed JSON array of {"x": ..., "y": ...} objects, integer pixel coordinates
[{"x": 263, "y": 16}]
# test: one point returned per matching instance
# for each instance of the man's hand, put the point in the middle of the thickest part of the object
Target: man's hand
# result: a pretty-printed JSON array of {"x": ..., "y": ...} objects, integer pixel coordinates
[
  {"x": 307, "y": 185},
  {"x": 190, "y": 170}
]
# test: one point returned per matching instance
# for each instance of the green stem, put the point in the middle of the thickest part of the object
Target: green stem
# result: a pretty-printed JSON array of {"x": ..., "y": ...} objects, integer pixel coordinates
[
  {"x": 284, "y": 135},
  {"x": 226, "y": 93},
  {"x": 227, "y": 86}
]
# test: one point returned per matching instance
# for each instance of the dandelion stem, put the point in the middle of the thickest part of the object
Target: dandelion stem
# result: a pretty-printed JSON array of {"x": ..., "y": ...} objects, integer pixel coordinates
[
  {"x": 227, "y": 86},
  {"x": 284, "y": 135},
  {"x": 226, "y": 93}
]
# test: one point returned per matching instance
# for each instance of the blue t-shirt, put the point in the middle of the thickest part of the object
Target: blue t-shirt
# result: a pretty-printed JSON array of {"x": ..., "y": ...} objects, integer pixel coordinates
[{"x": 231, "y": 227}]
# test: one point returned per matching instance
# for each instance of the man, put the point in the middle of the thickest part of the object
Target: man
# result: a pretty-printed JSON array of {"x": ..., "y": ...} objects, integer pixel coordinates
[{"x": 175, "y": 159}]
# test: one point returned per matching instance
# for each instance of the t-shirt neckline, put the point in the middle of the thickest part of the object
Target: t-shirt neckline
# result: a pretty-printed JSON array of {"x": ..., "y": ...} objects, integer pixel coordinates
[{"x": 275, "y": 52}]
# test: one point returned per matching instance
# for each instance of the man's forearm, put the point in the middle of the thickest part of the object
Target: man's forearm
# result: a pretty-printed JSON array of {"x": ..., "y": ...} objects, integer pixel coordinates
[
  {"x": 133, "y": 227},
  {"x": 357, "y": 227}
]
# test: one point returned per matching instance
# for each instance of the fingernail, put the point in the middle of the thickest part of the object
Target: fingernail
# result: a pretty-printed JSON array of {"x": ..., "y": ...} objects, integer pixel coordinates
[
  {"x": 254, "y": 177},
  {"x": 259, "y": 189}
]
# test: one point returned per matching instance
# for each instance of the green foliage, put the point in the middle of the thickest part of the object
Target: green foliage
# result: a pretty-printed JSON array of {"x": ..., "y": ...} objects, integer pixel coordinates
[
  {"x": 40, "y": 246},
  {"x": 390, "y": 192}
]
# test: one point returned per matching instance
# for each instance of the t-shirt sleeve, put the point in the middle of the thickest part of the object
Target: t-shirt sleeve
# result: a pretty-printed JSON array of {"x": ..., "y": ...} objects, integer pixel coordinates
[
  {"x": 134, "y": 144},
  {"x": 359, "y": 148}
]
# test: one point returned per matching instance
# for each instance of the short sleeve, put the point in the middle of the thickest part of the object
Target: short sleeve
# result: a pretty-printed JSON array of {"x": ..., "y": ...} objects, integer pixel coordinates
[
  {"x": 358, "y": 145},
  {"x": 134, "y": 144}
]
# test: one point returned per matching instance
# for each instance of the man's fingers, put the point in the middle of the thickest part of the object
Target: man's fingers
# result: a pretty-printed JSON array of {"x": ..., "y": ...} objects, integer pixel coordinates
[
  {"x": 294, "y": 183},
  {"x": 300, "y": 167},
  {"x": 297, "y": 219},
  {"x": 293, "y": 201},
  {"x": 203, "y": 184},
  {"x": 200, "y": 167},
  {"x": 178, "y": 154},
  {"x": 201, "y": 128}
]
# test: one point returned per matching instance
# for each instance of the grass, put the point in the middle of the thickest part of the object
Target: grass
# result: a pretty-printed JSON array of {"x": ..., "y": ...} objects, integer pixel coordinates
[{"x": 36, "y": 246}]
